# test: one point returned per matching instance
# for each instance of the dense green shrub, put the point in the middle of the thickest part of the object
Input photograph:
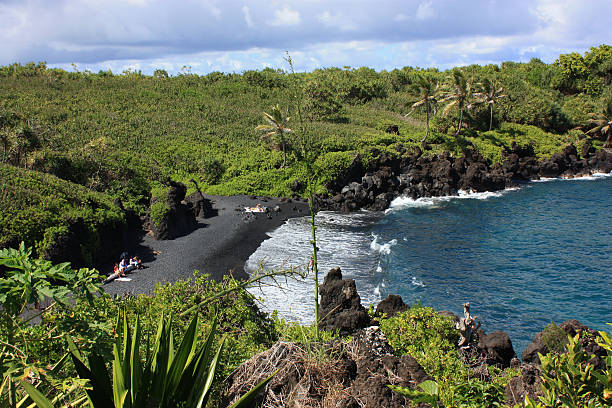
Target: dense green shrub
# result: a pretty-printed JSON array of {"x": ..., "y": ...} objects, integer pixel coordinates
[
  {"x": 35, "y": 207},
  {"x": 554, "y": 338},
  {"x": 431, "y": 339},
  {"x": 119, "y": 134}
]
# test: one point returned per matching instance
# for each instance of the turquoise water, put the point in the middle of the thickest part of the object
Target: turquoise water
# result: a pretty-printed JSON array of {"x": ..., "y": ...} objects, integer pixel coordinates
[{"x": 522, "y": 258}]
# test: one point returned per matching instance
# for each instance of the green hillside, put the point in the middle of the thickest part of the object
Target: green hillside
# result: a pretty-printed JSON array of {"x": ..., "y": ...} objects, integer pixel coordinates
[{"x": 105, "y": 136}]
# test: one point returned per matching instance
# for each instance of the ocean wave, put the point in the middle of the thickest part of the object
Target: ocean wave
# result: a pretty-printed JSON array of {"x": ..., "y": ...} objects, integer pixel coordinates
[
  {"x": 434, "y": 202},
  {"x": 416, "y": 282},
  {"x": 594, "y": 176},
  {"x": 383, "y": 249}
]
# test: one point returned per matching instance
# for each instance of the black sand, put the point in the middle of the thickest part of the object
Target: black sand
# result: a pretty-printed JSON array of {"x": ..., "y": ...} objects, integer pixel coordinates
[{"x": 221, "y": 244}]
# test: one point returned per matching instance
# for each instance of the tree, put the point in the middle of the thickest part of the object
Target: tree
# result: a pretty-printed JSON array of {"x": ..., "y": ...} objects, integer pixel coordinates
[
  {"x": 429, "y": 89},
  {"x": 277, "y": 128},
  {"x": 489, "y": 95},
  {"x": 459, "y": 97},
  {"x": 603, "y": 121}
]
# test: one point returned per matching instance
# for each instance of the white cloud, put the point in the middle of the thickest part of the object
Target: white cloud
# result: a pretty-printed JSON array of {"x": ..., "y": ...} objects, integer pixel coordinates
[
  {"x": 247, "y": 16},
  {"x": 100, "y": 34},
  {"x": 337, "y": 20},
  {"x": 425, "y": 11},
  {"x": 286, "y": 17}
]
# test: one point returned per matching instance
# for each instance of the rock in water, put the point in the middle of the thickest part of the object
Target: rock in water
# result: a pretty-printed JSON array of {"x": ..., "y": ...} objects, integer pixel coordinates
[{"x": 340, "y": 308}]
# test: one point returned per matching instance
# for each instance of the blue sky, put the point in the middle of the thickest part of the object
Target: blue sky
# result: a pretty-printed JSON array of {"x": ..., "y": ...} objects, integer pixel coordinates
[{"x": 233, "y": 36}]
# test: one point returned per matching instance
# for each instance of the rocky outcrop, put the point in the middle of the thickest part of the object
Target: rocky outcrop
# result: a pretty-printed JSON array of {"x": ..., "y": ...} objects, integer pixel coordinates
[
  {"x": 82, "y": 247},
  {"x": 340, "y": 307},
  {"x": 588, "y": 341},
  {"x": 199, "y": 205},
  {"x": 391, "y": 305},
  {"x": 527, "y": 384},
  {"x": 415, "y": 175},
  {"x": 497, "y": 348},
  {"x": 179, "y": 219}
]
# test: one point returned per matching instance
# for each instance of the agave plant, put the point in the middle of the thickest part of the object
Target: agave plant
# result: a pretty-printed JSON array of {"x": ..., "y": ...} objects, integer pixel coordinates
[
  {"x": 603, "y": 122},
  {"x": 168, "y": 377},
  {"x": 277, "y": 128}
]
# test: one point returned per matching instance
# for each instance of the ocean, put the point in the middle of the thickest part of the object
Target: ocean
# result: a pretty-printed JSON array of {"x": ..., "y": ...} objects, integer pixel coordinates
[{"x": 523, "y": 257}]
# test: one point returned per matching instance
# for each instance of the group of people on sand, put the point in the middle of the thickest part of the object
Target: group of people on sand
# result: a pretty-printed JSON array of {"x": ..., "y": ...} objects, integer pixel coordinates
[{"x": 125, "y": 265}]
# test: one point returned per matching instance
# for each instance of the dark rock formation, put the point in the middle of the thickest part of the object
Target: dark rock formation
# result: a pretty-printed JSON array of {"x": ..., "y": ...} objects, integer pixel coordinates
[
  {"x": 340, "y": 308},
  {"x": 527, "y": 384},
  {"x": 414, "y": 175},
  {"x": 571, "y": 327},
  {"x": 497, "y": 348},
  {"x": 377, "y": 367},
  {"x": 391, "y": 306},
  {"x": 199, "y": 205},
  {"x": 179, "y": 219}
]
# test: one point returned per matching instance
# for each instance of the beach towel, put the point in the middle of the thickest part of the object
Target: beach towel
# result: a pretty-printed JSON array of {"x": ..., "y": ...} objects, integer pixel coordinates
[
  {"x": 123, "y": 279},
  {"x": 255, "y": 209}
]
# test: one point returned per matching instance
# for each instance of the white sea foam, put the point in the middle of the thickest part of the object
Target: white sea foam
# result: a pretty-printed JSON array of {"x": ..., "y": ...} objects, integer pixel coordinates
[
  {"x": 344, "y": 241},
  {"x": 594, "y": 176},
  {"x": 383, "y": 249},
  {"x": 434, "y": 202}
]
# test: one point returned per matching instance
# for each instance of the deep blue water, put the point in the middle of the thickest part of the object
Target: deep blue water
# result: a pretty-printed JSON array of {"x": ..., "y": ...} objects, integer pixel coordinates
[{"x": 522, "y": 258}]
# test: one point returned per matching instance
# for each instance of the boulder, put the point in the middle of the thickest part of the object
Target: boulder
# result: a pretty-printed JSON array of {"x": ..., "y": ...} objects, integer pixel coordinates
[
  {"x": 497, "y": 348},
  {"x": 571, "y": 327},
  {"x": 351, "y": 376},
  {"x": 340, "y": 307},
  {"x": 391, "y": 305},
  {"x": 179, "y": 220},
  {"x": 527, "y": 384}
]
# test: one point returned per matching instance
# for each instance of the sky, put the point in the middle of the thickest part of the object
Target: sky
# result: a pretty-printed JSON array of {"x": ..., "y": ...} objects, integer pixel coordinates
[{"x": 202, "y": 36}]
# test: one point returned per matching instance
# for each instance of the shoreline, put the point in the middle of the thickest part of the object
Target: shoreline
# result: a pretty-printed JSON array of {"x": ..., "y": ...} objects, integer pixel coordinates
[{"x": 219, "y": 246}]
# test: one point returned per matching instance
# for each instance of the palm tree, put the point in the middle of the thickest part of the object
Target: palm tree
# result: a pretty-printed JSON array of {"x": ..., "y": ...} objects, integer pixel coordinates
[
  {"x": 277, "y": 128},
  {"x": 603, "y": 122},
  {"x": 489, "y": 95},
  {"x": 460, "y": 97},
  {"x": 429, "y": 89}
]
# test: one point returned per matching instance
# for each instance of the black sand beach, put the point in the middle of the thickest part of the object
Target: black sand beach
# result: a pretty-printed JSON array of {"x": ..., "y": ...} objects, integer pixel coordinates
[{"x": 220, "y": 244}]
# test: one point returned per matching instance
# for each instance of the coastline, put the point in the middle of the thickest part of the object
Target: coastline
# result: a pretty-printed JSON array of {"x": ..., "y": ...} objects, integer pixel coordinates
[{"x": 219, "y": 246}]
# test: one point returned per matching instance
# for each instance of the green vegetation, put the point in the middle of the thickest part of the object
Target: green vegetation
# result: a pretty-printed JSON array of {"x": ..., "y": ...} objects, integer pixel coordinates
[
  {"x": 98, "y": 351},
  {"x": 554, "y": 338},
  {"x": 431, "y": 339},
  {"x": 37, "y": 353},
  {"x": 569, "y": 380},
  {"x": 107, "y": 136}
]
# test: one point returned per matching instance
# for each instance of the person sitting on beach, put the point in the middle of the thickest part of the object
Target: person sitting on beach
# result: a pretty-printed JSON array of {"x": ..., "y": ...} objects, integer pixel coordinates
[
  {"x": 117, "y": 271},
  {"x": 124, "y": 264},
  {"x": 136, "y": 262}
]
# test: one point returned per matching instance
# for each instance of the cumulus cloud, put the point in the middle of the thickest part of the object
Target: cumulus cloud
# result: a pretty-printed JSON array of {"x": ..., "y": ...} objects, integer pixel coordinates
[
  {"x": 425, "y": 11},
  {"x": 235, "y": 35},
  {"x": 285, "y": 17}
]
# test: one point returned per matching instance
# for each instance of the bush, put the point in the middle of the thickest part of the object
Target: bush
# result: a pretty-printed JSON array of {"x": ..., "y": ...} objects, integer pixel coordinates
[
  {"x": 431, "y": 339},
  {"x": 554, "y": 338}
]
